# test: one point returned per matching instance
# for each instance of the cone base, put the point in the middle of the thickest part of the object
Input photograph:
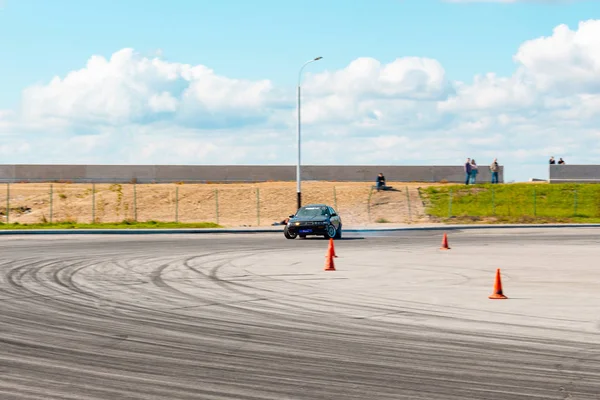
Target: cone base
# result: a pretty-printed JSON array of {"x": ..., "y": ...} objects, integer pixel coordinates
[
  {"x": 330, "y": 269},
  {"x": 497, "y": 296},
  {"x": 444, "y": 248}
]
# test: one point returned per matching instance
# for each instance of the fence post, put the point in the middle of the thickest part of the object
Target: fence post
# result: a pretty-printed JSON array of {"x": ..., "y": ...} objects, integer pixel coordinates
[
  {"x": 369, "y": 205},
  {"x": 450, "y": 204},
  {"x": 51, "y": 197},
  {"x": 135, "y": 202},
  {"x": 8, "y": 203},
  {"x": 334, "y": 199},
  {"x": 408, "y": 202},
  {"x": 575, "y": 203},
  {"x": 176, "y": 204},
  {"x": 534, "y": 203},
  {"x": 217, "y": 204},
  {"x": 93, "y": 203},
  {"x": 258, "y": 206}
]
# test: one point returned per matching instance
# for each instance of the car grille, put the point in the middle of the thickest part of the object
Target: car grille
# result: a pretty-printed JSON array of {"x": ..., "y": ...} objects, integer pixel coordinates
[{"x": 312, "y": 223}]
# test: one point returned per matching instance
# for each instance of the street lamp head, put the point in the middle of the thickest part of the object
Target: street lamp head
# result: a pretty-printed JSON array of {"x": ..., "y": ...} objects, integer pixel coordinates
[{"x": 318, "y": 58}]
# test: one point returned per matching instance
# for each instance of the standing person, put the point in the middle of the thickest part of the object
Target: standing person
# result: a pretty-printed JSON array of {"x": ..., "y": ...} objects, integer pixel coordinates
[
  {"x": 494, "y": 168},
  {"x": 561, "y": 161},
  {"x": 552, "y": 161},
  {"x": 467, "y": 167},
  {"x": 474, "y": 171}
]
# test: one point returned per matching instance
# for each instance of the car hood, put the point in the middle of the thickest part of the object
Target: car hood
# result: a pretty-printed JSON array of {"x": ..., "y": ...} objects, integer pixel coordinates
[{"x": 318, "y": 218}]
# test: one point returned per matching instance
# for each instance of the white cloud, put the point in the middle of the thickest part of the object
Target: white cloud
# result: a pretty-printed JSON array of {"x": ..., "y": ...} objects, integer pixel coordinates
[
  {"x": 407, "y": 78},
  {"x": 491, "y": 92},
  {"x": 128, "y": 88},
  {"x": 568, "y": 62},
  {"x": 5, "y": 115},
  {"x": 134, "y": 109},
  {"x": 163, "y": 102}
]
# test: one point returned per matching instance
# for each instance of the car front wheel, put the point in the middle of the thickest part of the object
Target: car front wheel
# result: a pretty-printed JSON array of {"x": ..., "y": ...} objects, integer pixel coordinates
[
  {"x": 338, "y": 235},
  {"x": 289, "y": 235},
  {"x": 331, "y": 232}
]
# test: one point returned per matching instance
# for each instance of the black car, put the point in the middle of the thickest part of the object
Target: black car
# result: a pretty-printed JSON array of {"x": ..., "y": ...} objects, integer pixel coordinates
[{"x": 316, "y": 220}]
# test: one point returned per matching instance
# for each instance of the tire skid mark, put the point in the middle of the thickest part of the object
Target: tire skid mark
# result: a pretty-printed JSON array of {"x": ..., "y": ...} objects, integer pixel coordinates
[
  {"x": 292, "y": 301},
  {"x": 375, "y": 311},
  {"x": 143, "y": 351},
  {"x": 411, "y": 309},
  {"x": 267, "y": 297}
]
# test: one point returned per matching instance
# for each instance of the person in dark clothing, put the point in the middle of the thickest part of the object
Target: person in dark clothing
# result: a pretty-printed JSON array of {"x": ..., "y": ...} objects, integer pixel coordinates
[
  {"x": 380, "y": 182},
  {"x": 467, "y": 171},
  {"x": 561, "y": 161},
  {"x": 552, "y": 161}
]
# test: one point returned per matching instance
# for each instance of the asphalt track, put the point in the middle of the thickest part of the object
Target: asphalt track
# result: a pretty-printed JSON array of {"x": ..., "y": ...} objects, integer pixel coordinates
[{"x": 256, "y": 316}]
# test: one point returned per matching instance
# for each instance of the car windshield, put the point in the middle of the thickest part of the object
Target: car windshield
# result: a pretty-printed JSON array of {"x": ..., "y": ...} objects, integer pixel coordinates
[{"x": 309, "y": 212}]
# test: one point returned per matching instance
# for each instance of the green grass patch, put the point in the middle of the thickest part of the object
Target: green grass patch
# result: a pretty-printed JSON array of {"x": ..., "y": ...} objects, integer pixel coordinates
[
  {"x": 513, "y": 203},
  {"x": 118, "y": 225}
]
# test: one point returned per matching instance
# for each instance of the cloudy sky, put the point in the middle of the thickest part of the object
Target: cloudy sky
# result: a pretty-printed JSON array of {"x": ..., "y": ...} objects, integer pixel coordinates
[{"x": 403, "y": 82}]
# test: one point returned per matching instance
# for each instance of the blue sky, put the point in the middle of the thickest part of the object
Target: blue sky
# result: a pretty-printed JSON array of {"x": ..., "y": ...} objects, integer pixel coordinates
[{"x": 269, "y": 40}]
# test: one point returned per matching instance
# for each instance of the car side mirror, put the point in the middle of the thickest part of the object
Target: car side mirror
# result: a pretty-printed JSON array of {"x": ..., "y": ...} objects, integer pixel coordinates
[
  {"x": 334, "y": 215},
  {"x": 291, "y": 216}
]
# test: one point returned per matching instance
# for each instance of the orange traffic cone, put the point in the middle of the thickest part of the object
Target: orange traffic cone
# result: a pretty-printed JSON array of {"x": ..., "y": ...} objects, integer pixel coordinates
[
  {"x": 498, "y": 287},
  {"x": 329, "y": 265},
  {"x": 445, "y": 243},
  {"x": 332, "y": 247}
]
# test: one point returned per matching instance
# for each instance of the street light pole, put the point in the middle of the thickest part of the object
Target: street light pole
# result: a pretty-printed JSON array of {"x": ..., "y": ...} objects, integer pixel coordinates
[{"x": 298, "y": 170}]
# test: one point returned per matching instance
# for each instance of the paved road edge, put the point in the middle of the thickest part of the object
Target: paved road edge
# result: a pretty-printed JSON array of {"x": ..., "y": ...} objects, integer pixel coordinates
[{"x": 279, "y": 230}]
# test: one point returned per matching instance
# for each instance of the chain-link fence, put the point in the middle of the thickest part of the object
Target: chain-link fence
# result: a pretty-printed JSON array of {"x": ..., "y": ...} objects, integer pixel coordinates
[
  {"x": 228, "y": 205},
  {"x": 516, "y": 201}
]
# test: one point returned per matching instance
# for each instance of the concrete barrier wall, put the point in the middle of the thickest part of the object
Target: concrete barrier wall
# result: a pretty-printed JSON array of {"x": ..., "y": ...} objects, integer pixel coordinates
[
  {"x": 233, "y": 173},
  {"x": 574, "y": 173}
]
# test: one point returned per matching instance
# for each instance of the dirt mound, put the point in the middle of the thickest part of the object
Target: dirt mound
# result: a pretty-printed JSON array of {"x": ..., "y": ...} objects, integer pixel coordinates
[{"x": 228, "y": 204}]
